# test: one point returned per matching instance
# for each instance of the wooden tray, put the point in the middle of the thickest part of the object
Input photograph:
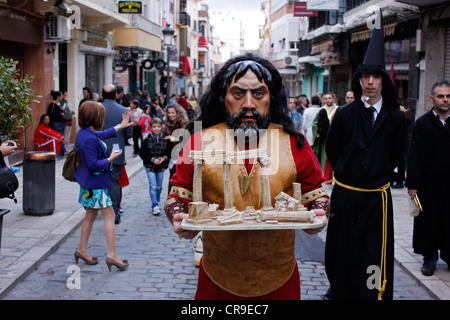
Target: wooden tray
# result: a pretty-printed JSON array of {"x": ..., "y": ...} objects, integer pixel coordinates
[{"x": 251, "y": 225}]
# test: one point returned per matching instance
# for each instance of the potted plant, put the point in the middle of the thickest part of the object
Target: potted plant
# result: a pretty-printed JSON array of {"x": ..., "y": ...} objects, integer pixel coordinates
[{"x": 15, "y": 100}]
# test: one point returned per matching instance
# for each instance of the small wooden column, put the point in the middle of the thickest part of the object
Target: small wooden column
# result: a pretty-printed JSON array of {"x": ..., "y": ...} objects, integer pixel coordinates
[
  {"x": 227, "y": 186},
  {"x": 264, "y": 161},
  {"x": 197, "y": 180},
  {"x": 297, "y": 191}
]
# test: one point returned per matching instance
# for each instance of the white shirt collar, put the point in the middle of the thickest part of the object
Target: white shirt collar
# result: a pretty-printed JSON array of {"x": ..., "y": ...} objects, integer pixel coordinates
[
  {"x": 377, "y": 105},
  {"x": 442, "y": 120}
]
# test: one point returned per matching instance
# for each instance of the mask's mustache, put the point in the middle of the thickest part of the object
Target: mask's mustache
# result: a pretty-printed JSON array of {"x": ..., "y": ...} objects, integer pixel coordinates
[
  {"x": 235, "y": 121},
  {"x": 248, "y": 131}
]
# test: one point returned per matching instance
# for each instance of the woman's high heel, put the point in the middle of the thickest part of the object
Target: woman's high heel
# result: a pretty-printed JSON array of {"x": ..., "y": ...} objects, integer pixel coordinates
[
  {"x": 91, "y": 261},
  {"x": 122, "y": 265}
]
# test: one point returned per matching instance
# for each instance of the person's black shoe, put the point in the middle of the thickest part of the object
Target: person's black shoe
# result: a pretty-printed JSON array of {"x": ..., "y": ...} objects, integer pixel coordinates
[
  {"x": 117, "y": 219},
  {"x": 328, "y": 295},
  {"x": 427, "y": 270}
]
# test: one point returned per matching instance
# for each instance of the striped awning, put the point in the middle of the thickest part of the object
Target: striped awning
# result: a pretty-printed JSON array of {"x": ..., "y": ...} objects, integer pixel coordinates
[{"x": 362, "y": 35}]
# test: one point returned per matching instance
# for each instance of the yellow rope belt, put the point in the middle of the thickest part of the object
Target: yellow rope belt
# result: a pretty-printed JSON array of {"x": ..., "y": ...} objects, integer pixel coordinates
[{"x": 384, "y": 199}]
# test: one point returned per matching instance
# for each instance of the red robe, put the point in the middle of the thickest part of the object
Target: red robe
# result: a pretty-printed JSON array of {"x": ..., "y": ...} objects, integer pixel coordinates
[
  {"x": 309, "y": 174},
  {"x": 47, "y": 139}
]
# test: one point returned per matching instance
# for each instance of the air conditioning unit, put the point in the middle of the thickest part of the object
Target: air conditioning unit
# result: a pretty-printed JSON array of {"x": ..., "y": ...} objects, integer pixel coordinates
[
  {"x": 290, "y": 61},
  {"x": 57, "y": 29}
]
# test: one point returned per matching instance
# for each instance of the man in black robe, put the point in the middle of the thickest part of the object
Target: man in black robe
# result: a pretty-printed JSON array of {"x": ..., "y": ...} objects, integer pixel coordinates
[
  {"x": 364, "y": 147},
  {"x": 429, "y": 176}
]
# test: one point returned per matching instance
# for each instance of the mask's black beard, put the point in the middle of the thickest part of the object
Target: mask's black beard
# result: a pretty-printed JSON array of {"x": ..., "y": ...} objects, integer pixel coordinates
[{"x": 248, "y": 132}]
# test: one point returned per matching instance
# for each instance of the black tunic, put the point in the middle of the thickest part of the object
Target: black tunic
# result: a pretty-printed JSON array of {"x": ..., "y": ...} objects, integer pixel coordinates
[
  {"x": 362, "y": 157},
  {"x": 429, "y": 173}
]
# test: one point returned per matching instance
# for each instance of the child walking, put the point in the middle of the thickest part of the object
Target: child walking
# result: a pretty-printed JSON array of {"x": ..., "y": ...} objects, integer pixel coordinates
[
  {"x": 155, "y": 155},
  {"x": 144, "y": 121}
]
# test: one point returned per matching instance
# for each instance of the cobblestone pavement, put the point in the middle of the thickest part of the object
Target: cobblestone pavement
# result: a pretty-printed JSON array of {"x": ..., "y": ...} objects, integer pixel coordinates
[{"x": 161, "y": 264}]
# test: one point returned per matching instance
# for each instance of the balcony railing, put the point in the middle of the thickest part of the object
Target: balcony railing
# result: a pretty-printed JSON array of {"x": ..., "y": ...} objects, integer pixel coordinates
[{"x": 184, "y": 19}]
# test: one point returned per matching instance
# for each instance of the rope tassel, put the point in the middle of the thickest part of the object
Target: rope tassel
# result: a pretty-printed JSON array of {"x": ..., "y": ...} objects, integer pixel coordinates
[{"x": 384, "y": 199}]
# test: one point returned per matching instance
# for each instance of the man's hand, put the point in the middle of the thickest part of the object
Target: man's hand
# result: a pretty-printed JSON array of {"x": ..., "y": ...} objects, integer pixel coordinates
[
  {"x": 176, "y": 211},
  {"x": 412, "y": 193},
  {"x": 182, "y": 233},
  {"x": 322, "y": 215}
]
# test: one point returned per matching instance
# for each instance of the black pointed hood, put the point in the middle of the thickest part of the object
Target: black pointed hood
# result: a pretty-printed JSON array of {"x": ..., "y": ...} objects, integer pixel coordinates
[{"x": 374, "y": 63}]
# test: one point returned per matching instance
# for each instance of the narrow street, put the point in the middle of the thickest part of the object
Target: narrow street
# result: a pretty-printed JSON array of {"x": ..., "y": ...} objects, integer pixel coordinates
[{"x": 161, "y": 264}]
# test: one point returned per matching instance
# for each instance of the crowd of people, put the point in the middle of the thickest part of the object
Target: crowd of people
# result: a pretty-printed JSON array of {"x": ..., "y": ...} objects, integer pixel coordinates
[{"x": 355, "y": 146}]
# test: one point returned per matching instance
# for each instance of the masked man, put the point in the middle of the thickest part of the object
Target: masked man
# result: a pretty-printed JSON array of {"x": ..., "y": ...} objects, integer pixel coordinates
[{"x": 247, "y": 99}]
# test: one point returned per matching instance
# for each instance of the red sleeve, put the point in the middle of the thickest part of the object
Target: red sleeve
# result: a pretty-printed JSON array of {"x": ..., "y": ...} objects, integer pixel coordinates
[
  {"x": 309, "y": 172},
  {"x": 183, "y": 178}
]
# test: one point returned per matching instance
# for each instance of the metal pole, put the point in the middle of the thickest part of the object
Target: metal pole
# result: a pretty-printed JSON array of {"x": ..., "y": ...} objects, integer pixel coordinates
[{"x": 168, "y": 78}]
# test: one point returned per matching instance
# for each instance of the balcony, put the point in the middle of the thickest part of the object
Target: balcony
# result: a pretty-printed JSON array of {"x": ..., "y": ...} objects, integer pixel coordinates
[
  {"x": 280, "y": 55},
  {"x": 184, "y": 19}
]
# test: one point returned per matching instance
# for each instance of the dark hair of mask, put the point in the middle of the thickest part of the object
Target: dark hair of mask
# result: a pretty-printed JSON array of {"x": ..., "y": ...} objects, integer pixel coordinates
[{"x": 212, "y": 104}]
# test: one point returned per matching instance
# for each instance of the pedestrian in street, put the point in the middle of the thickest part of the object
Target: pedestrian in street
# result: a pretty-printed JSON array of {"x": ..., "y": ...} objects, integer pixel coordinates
[
  {"x": 113, "y": 116},
  {"x": 93, "y": 176},
  {"x": 155, "y": 157},
  {"x": 119, "y": 95},
  {"x": 320, "y": 127},
  {"x": 48, "y": 139},
  {"x": 295, "y": 116},
  {"x": 176, "y": 120},
  {"x": 159, "y": 111},
  {"x": 247, "y": 95},
  {"x": 308, "y": 118},
  {"x": 183, "y": 102},
  {"x": 68, "y": 114},
  {"x": 135, "y": 115},
  {"x": 145, "y": 100},
  {"x": 144, "y": 121},
  {"x": 365, "y": 142},
  {"x": 428, "y": 177},
  {"x": 303, "y": 104},
  {"x": 349, "y": 96},
  {"x": 56, "y": 115},
  {"x": 87, "y": 95}
]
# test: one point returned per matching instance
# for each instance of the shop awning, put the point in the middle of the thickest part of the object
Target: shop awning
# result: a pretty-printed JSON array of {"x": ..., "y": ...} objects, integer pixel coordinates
[
  {"x": 389, "y": 30},
  {"x": 186, "y": 65}
]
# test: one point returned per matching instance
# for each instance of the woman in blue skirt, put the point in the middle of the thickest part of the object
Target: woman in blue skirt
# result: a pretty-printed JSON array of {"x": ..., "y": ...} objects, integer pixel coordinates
[{"x": 93, "y": 176}]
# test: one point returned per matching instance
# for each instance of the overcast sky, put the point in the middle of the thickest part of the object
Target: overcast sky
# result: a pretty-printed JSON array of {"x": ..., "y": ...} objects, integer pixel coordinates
[{"x": 226, "y": 16}]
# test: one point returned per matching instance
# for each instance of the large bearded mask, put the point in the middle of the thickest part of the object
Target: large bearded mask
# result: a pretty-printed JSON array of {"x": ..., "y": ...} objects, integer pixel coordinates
[{"x": 248, "y": 131}]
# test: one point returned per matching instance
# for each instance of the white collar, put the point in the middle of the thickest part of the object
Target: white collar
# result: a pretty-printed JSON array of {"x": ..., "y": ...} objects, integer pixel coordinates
[
  {"x": 442, "y": 120},
  {"x": 377, "y": 105}
]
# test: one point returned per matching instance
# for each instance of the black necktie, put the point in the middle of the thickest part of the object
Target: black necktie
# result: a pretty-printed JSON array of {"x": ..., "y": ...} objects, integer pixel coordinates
[{"x": 372, "y": 110}]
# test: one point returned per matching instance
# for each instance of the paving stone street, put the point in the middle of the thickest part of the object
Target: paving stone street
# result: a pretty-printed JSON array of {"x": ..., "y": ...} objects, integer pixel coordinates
[{"x": 161, "y": 264}]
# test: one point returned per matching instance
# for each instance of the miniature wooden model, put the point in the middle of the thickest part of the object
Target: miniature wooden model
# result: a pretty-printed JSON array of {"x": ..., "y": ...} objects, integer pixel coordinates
[{"x": 287, "y": 209}]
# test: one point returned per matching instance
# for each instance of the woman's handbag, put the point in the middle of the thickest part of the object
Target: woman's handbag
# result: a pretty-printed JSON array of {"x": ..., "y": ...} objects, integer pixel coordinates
[
  {"x": 8, "y": 181},
  {"x": 71, "y": 165}
]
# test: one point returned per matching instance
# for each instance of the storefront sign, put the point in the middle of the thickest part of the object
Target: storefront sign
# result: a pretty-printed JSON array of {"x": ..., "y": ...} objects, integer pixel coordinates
[
  {"x": 130, "y": 7},
  {"x": 300, "y": 10},
  {"x": 328, "y": 58}
]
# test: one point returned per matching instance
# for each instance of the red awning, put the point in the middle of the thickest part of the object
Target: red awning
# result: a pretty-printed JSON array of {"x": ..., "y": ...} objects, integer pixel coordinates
[
  {"x": 203, "y": 43},
  {"x": 186, "y": 65}
]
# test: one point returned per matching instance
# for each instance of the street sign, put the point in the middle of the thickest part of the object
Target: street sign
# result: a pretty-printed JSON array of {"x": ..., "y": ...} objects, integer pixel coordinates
[
  {"x": 300, "y": 10},
  {"x": 130, "y": 7}
]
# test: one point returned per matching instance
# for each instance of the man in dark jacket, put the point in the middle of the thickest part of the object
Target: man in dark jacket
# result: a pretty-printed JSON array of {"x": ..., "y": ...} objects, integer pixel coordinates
[
  {"x": 364, "y": 147},
  {"x": 428, "y": 178},
  {"x": 113, "y": 116}
]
